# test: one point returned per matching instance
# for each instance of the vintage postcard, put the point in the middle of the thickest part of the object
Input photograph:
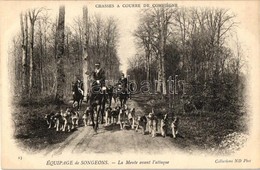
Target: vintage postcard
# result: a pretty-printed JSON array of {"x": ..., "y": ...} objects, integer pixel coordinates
[{"x": 130, "y": 84}]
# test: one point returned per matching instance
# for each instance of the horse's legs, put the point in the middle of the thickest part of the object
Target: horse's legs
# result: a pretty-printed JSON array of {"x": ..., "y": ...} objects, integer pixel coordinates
[
  {"x": 124, "y": 101},
  {"x": 102, "y": 112},
  {"x": 78, "y": 105},
  {"x": 125, "y": 98},
  {"x": 80, "y": 102},
  {"x": 89, "y": 118},
  {"x": 144, "y": 128},
  {"x": 87, "y": 98},
  {"x": 92, "y": 114},
  {"x": 110, "y": 101},
  {"x": 106, "y": 117},
  {"x": 96, "y": 118},
  {"x": 120, "y": 120}
]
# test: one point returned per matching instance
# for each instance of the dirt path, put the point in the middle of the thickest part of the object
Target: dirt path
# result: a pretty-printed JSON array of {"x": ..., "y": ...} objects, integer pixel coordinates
[{"x": 111, "y": 140}]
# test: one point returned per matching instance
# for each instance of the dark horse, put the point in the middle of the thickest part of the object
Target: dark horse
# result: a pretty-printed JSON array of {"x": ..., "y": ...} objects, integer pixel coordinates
[
  {"x": 109, "y": 94},
  {"x": 77, "y": 95},
  {"x": 97, "y": 100},
  {"x": 122, "y": 94}
]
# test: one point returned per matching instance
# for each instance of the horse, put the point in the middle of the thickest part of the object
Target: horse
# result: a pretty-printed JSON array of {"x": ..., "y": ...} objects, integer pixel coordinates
[
  {"x": 123, "y": 96},
  {"x": 97, "y": 100},
  {"x": 77, "y": 96},
  {"x": 121, "y": 93},
  {"x": 109, "y": 94}
]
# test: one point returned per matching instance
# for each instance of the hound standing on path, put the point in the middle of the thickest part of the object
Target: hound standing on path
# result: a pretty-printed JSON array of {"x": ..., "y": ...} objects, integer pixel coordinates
[
  {"x": 141, "y": 121},
  {"x": 123, "y": 116},
  {"x": 131, "y": 117},
  {"x": 108, "y": 115},
  {"x": 114, "y": 114},
  {"x": 164, "y": 125},
  {"x": 87, "y": 116},
  {"x": 152, "y": 123},
  {"x": 174, "y": 126}
]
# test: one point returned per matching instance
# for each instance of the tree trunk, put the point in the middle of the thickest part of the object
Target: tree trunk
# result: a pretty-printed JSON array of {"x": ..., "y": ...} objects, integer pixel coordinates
[
  {"x": 148, "y": 53},
  {"x": 24, "y": 29},
  {"x": 41, "y": 59},
  {"x": 60, "y": 56},
  {"x": 162, "y": 52},
  {"x": 85, "y": 48},
  {"x": 159, "y": 77},
  {"x": 163, "y": 76},
  {"x": 164, "y": 38},
  {"x": 45, "y": 82},
  {"x": 31, "y": 69}
]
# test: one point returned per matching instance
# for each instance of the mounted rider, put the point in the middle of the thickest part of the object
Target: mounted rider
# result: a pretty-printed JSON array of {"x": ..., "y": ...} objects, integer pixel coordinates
[
  {"x": 79, "y": 85},
  {"x": 123, "y": 82},
  {"x": 96, "y": 96},
  {"x": 98, "y": 76},
  {"x": 98, "y": 84}
]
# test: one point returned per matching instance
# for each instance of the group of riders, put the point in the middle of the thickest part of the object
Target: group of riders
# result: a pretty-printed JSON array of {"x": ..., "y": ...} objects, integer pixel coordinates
[
  {"x": 98, "y": 89},
  {"x": 99, "y": 94}
]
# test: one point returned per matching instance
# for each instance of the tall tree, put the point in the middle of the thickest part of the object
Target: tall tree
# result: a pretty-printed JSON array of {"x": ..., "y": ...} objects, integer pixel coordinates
[
  {"x": 40, "y": 57},
  {"x": 24, "y": 42},
  {"x": 153, "y": 33},
  {"x": 85, "y": 48},
  {"x": 33, "y": 15},
  {"x": 145, "y": 34},
  {"x": 60, "y": 55},
  {"x": 110, "y": 43},
  {"x": 164, "y": 16}
]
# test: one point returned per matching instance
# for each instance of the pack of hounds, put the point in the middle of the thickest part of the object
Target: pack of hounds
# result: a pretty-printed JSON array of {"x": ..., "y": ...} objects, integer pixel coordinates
[{"x": 124, "y": 116}]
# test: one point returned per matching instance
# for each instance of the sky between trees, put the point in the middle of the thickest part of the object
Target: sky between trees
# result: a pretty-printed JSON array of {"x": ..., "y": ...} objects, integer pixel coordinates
[{"x": 128, "y": 20}]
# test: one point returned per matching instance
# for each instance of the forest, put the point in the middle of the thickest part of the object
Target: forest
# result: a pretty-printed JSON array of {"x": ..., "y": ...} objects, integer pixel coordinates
[
  {"x": 198, "y": 50},
  {"x": 48, "y": 55},
  {"x": 189, "y": 63}
]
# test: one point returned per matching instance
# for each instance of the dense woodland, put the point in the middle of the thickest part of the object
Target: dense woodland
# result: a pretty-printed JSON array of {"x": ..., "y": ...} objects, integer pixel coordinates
[
  {"x": 197, "y": 49},
  {"x": 191, "y": 46},
  {"x": 48, "y": 55}
]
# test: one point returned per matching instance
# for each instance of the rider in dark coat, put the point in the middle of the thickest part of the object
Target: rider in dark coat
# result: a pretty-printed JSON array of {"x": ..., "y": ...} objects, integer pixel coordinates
[
  {"x": 123, "y": 81},
  {"x": 124, "y": 84},
  {"x": 79, "y": 84},
  {"x": 99, "y": 75}
]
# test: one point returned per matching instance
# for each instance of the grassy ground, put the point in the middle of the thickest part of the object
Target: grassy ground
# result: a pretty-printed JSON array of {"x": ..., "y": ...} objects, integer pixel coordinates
[
  {"x": 31, "y": 130},
  {"x": 202, "y": 131},
  {"x": 206, "y": 131}
]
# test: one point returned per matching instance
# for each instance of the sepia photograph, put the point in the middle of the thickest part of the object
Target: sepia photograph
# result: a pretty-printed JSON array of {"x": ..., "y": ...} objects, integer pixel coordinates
[{"x": 130, "y": 84}]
